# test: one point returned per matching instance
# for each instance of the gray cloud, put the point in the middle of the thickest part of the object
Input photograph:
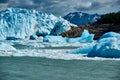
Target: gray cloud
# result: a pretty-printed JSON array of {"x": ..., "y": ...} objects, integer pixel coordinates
[
  {"x": 4, "y": 1},
  {"x": 62, "y": 7}
]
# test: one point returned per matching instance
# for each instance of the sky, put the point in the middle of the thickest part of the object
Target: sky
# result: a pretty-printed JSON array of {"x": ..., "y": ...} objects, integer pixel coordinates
[{"x": 63, "y": 7}]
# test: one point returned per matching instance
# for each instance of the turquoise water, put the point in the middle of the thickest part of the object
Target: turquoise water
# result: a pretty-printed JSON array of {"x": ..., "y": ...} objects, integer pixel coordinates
[{"x": 36, "y": 68}]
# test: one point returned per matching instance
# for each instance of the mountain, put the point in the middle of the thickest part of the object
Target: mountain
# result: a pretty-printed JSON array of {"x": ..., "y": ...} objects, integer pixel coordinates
[
  {"x": 97, "y": 29},
  {"x": 22, "y": 23},
  {"x": 110, "y": 18},
  {"x": 109, "y": 22},
  {"x": 80, "y": 18}
]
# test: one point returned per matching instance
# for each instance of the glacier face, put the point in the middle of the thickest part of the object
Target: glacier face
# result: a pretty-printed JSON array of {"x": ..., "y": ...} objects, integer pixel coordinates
[
  {"x": 22, "y": 23},
  {"x": 16, "y": 23}
]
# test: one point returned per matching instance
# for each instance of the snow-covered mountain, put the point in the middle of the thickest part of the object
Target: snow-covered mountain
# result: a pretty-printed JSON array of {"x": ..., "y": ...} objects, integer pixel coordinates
[
  {"x": 22, "y": 23},
  {"x": 80, "y": 18}
]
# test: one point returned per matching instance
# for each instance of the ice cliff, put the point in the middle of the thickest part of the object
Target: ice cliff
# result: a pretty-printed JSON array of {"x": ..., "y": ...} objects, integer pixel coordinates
[{"x": 22, "y": 23}]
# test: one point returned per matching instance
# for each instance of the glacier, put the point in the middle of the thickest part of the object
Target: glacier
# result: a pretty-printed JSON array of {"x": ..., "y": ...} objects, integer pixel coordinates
[
  {"x": 107, "y": 46},
  {"x": 22, "y": 23}
]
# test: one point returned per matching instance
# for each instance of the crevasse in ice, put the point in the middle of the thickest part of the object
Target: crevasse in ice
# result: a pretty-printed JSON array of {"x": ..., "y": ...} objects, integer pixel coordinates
[
  {"x": 107, "y": 46},
  {"x": 21, "y": 23}
]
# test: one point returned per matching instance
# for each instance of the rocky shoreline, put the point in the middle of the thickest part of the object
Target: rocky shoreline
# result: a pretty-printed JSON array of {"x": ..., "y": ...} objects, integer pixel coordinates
[{"x": 97, "y": 29}]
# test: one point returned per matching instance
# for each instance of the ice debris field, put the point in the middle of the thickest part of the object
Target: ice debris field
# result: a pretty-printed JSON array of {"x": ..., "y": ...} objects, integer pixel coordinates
[{"x": 33, "y": 33}]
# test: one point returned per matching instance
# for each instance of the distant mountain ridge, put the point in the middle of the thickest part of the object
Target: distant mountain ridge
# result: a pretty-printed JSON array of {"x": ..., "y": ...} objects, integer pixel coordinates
[
  {"x": 109, "y": 22},
  {"x": 80, "y": 18}
]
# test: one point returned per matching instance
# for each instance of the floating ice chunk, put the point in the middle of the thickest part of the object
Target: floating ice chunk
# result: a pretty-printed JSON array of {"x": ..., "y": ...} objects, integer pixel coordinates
[
  {"x": 85, "y": 34},
  {"x": 83, "y": 49},
  {"x": 88, "y": 39},
  {"x": 54, "y": 39},
  {"x": 108, "y": 46},
  {"x": 4, "y": 46},
  {"x": 110, "y": 34},
  {"x": 85, "y": 37},
  {"x": 71, "y": 40}
]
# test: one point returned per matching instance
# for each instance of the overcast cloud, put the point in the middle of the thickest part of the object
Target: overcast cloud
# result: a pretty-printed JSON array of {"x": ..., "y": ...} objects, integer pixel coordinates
[{"x": 63, "y": 7}]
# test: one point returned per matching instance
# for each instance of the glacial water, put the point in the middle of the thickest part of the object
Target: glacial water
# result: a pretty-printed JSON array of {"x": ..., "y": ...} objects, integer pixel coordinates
[
  {"x": 36, "y": 68},
  {"x": 49, "y": 61}
]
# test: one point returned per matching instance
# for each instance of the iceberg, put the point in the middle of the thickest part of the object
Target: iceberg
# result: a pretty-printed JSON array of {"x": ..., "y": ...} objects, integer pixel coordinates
[
  {"x": 22, "y": 23},
  {"x": 107, "y": 46},
  {"x": 83, "y": 49},
  {"x": 56, "y": 39},
  {"x": 85, "y": 37},
  {"x": 110, "y": 34}
]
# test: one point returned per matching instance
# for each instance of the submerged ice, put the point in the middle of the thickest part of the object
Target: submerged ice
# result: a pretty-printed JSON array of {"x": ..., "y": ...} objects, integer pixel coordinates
[{"x": 22, "y": 23}]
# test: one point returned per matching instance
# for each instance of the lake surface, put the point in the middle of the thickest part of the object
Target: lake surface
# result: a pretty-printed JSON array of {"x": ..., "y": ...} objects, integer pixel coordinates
[{"x": 37, "y": 68}]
